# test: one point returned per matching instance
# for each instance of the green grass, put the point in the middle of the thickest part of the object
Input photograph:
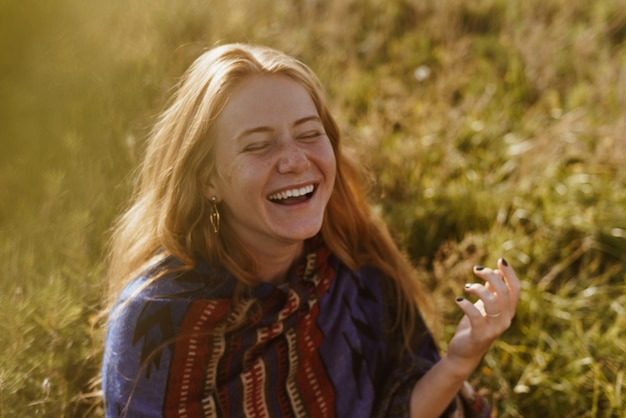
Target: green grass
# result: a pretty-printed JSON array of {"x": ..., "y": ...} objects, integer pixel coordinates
[{"x": 513, "y": 146}]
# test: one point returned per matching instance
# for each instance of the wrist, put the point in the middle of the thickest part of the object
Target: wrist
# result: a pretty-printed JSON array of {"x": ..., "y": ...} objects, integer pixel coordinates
[{"x": 459, "y": 367}]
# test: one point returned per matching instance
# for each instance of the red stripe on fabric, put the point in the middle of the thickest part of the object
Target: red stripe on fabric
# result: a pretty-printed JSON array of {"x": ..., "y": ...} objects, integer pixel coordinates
[
  {"x": 233, "y": 346},
  {"x": 190, "y": 358},
  {"x": 282, "y": 371},
  {"x": 313, "y": 381},
  {"x": 254, "y": 400},
  {"x": 316, "y": 388}
]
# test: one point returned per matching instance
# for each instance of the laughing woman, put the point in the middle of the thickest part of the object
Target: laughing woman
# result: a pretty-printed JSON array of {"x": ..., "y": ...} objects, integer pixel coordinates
[{"x": 249, "y": 276}]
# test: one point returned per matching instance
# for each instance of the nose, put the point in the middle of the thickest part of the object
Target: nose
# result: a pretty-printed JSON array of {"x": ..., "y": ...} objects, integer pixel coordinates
[{"x": 292, "y": 159}]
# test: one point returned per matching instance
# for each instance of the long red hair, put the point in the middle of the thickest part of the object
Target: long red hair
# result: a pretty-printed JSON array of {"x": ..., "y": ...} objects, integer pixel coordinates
[{"x": 169, "y": 213}]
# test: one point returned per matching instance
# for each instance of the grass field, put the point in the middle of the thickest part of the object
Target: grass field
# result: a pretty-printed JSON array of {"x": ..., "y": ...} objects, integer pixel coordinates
[{"x": 492, "y": 128}]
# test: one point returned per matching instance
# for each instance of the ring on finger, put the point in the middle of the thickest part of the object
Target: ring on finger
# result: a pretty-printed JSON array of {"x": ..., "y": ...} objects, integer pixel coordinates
[{"x": 495, "y": 315}]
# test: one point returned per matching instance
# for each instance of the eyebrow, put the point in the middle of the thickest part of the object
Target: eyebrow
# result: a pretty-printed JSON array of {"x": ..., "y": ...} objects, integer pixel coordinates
[{"x": 263, "y": 129}]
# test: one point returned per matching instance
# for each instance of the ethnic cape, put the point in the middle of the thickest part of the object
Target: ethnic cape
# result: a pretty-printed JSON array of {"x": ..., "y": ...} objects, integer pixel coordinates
[{"x": 319, "y": 346}]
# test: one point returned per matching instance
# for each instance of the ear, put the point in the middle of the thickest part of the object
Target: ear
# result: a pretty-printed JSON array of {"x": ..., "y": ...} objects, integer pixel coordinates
[{"x": 209, "y": 190}]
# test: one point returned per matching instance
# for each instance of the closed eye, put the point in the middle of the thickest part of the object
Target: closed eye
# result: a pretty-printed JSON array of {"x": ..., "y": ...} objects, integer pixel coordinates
[
  {"x": 256, "y": 146},
  {"x": 311, "y": 134}
]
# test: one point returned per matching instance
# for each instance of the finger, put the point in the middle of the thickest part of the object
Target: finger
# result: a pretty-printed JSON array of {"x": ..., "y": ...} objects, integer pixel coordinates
[
  {"x": 502, "y": 282},
  {"x": 474, "y": 315},
  {"x": 494, "y": 279},
  {"x": 490, "y": 300},
  {"x": 513, "y": 283}
]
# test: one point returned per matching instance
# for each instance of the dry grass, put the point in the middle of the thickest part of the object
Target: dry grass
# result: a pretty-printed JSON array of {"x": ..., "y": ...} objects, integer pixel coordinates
[{"x": 493, "y": 128}]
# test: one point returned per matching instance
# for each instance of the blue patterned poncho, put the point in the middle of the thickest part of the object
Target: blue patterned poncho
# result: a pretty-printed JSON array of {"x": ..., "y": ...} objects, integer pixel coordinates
[{"x": 319, "y": 346}]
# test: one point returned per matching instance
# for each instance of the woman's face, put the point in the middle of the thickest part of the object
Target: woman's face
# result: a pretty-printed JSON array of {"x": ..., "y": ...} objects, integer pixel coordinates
[{"x": 276, "y": 162}]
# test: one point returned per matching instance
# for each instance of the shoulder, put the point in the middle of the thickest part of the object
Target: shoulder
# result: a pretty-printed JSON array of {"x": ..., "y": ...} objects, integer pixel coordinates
[
  {"x": 156, "y": 301},
  {"x": 148, "y": 317},
  {"x": 166, "y": 282}
]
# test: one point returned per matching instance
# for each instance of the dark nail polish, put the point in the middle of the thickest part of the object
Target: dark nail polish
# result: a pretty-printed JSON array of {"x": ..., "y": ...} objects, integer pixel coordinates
[
  {"x": 478, "y": 268},
  {"x": 504, "y": 263},
  {"x": 459, "y": 299}
]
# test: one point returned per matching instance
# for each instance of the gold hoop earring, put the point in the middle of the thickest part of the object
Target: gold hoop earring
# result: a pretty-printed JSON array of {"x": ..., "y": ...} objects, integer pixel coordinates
[{"x": 214, "y": 216}]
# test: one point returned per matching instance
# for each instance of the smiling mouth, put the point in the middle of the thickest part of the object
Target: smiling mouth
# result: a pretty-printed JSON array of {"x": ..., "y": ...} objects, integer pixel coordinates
[{"x": 293, "y": 196}]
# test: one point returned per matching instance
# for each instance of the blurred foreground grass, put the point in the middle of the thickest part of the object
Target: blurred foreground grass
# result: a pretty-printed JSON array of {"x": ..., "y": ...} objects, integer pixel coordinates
[{"x": 493, "y": 128}]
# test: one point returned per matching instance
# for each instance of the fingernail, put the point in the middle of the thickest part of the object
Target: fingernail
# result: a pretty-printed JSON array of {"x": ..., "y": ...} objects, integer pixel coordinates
[
  {"x": 468, "y": 285},
  {"x": 504, "y": 263},
  {"x": 459, "y": 299},
  {"x": 478, "y": 268}
]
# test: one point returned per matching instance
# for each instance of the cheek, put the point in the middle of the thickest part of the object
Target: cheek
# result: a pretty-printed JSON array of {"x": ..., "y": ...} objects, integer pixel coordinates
[
  {"x": 241, "y": 179},
  {"x": 329, "y": 162}
]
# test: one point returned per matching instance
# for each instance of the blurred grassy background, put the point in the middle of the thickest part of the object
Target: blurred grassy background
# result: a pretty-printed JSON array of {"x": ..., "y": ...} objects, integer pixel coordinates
[{"x": 493, "y": 128}]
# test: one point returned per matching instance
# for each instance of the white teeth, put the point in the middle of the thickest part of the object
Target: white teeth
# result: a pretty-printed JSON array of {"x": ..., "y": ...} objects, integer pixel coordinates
[{"x": 292, "y": 193}]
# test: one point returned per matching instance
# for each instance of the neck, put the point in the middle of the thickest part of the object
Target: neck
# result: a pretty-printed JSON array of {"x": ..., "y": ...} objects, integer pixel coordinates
[{"x": 273, "y": 264}]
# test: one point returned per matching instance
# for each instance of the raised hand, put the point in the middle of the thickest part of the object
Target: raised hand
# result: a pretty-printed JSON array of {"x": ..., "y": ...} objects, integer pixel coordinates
[{"x": 485, "y": 320}]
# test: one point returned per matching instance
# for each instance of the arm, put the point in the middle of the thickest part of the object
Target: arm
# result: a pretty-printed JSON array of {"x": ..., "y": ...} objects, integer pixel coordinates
[{"x": 483, "y": 322}]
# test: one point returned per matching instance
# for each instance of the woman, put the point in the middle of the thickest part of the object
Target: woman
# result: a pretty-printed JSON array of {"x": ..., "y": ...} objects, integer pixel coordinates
[{"x": 254, "y": 278}]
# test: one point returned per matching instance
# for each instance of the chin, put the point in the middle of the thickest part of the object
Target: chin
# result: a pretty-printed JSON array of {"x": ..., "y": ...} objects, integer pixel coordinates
[{"x": 303, "y": 234}]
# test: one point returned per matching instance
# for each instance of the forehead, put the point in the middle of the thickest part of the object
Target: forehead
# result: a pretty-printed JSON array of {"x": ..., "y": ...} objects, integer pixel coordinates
[{"x": 265, "y": 100}]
